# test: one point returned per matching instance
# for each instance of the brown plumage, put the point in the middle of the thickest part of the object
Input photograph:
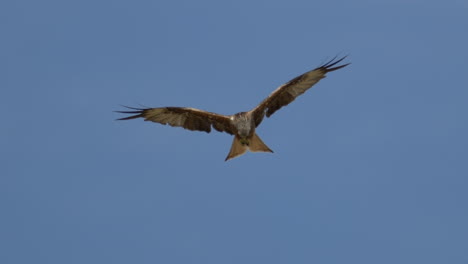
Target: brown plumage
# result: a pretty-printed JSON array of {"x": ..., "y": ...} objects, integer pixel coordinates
[{"x": 242, "y": 125}]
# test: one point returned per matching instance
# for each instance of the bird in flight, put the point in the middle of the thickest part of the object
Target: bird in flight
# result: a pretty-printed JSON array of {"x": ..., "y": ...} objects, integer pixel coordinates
[{"x": 242, "y": 125}]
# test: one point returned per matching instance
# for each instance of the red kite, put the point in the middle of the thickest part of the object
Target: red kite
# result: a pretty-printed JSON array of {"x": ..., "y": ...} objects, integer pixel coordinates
[{"x": 242, "y": 125}]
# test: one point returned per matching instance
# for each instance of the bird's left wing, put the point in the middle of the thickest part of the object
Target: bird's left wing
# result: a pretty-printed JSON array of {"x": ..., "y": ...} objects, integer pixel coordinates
[
  {"x": 288, "y": 92},
  {"x": 188, "y": 118}
]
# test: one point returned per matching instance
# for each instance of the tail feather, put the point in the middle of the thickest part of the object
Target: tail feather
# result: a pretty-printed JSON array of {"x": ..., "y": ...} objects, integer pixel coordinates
[
  {"x": 255, "y": 144},
  {"x": 237, "y": 149}
]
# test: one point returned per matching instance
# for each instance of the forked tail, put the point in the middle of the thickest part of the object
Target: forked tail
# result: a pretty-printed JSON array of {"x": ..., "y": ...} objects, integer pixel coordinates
[
  {"x": 257, "y": 145},
  {"x": 239, "y": 147}
]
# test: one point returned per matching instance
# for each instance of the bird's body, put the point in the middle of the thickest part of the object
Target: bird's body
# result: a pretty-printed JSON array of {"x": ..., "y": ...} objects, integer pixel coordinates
[
  {"x": 245, "y": 138},
  {"x": 243, "y": 124}
]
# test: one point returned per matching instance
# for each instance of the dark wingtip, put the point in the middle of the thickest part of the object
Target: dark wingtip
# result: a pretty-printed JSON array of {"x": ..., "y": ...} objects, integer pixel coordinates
[
  {"x": 129, "y": 117},
  {"x": 328, "y": 66},
  {"x": 136, "y": 113},
  {"x": 338, "y": 67}
]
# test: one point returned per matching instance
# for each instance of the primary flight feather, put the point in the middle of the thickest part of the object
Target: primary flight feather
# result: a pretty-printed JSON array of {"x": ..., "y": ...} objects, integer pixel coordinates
[{"x": 242, "y": 125}]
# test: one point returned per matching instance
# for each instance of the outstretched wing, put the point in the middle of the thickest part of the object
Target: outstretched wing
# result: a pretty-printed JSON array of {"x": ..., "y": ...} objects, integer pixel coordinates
[
  {"x": 188, "y": 118},
  {"x": 287, "y": 92}
]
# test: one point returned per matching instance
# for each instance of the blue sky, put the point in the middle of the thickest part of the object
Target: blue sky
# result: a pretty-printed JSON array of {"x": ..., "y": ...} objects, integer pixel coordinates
[{"x": 370, "y": 166}]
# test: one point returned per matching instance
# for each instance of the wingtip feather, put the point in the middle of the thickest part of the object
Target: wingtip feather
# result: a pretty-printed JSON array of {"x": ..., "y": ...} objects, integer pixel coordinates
[
  {"x": 138, "y": 112},
  {"x": 328, "y": 66}
]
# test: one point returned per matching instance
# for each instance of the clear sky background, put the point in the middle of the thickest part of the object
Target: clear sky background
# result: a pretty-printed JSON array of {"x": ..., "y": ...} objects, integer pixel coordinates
[{"x": 370, "y": 165}]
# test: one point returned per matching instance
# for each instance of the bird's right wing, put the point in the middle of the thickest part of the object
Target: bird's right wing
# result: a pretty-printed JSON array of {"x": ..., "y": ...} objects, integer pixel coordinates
[{"x": 188, "y": 118}]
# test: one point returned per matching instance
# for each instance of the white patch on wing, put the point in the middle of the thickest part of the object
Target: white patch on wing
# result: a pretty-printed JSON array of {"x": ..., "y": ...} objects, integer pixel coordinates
[
  {"x": 307, "y": 81},
  {"x": 178, "y": 120}
]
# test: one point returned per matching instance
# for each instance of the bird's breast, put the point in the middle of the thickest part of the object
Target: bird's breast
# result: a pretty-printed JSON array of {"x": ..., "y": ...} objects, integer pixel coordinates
[{"x": 244, "y": 124}]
